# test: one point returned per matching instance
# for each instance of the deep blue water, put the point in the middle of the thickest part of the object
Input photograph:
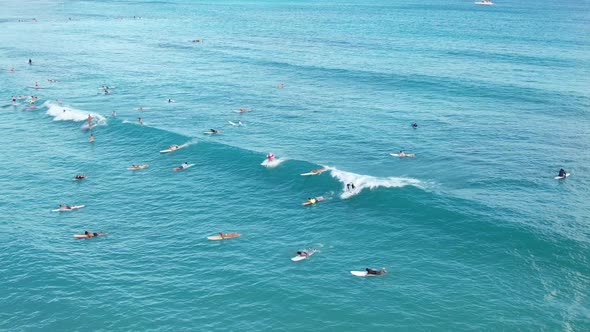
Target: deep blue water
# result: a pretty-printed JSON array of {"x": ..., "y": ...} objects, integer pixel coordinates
[{"x": 475, "y": 232}]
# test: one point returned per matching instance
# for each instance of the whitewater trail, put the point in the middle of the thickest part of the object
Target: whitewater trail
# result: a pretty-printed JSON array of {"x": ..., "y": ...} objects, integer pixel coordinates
[
  {"x": 362, "y": 182},
  {"x": 67, "y": 113}
]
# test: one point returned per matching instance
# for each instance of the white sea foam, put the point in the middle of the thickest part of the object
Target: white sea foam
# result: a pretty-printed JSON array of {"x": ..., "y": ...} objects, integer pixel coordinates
[
  {"x": 67, "y": 113},
  {"x": 362, "y": 182},
  {"x": 274, "y": 163}
]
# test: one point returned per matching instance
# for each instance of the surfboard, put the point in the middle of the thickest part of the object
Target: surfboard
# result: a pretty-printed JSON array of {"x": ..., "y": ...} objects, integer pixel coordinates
[
  {"x": 212, "y": 133},
  {"x": 410, "y": 155},
  {"x": 138, "y": 167},
  {"x": 86, "y": 127},
  {"x": 361, "y": 274},
  {"x": 318, "y": 199},
  {"x": 232, "y": 123},
  {"x": 84, "y": 236},
  {"x": 314, "y": 172},
  {"x": 176, "y": 169},
  {"x": 300, "y": 258},
  {"x": 75, "y": 207},
  {"x": 225, "y": 236},
  {"x": 178, "y": 148},
  {"x": 562, "y": 177},
  {"x": 78, "y": 179}
]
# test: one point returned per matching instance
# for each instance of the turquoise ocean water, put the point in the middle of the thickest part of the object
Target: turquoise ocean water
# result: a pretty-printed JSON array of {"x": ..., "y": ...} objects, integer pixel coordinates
[{"x": 475, "y": 232}]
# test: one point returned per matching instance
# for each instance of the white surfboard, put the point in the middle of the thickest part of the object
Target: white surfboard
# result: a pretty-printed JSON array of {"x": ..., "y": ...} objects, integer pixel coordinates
[
  {"x": 177, "y": 169},
  {"x": 320, "y": 171},
  {"x": 300, "y": 258},
  {"x": 212, "y": 133},
  {"x": 138, "y": 167},
  {"x": 361, "y": 273},
  {"x": 219, "y": 238},
  {"x": 232, "y": 123},
  {"x": 178, "y": 148},
  {"x": 409, "y": 155},
  {"x": 72, "y": 208},
  {"x": 562, "y": 177}
]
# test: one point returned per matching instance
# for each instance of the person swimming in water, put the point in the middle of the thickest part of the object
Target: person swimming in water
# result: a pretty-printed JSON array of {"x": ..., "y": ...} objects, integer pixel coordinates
[
  {"x": 13, "y": 100},
  {"x": 80, "y": 176},
  {"x": 30, "y": 62},
  {"x": 414, "y": 125},
  {"x": 376, "y": 272},
  {"x": 87, "y": 233},
  {"x": 140, "y": 121},
  {"x": 562, "y": 173}
]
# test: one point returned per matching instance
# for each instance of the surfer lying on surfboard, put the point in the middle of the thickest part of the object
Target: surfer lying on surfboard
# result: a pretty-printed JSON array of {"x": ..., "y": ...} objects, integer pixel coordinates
[
  {"x": 376, "y": 272},
  {"x": 87, "y": 234}
]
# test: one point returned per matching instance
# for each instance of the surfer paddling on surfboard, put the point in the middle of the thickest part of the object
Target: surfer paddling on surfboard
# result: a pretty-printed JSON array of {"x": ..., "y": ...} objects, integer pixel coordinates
[
  {"x": 88, "y": 234},
  {"x": 562, "y": 173},
  {"x": 376, "y": 272},
  {"x": 270, "y": 157}
]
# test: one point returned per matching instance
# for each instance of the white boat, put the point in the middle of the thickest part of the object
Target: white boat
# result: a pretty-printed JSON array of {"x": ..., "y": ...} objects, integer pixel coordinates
[{"x": 484, "y": 2}]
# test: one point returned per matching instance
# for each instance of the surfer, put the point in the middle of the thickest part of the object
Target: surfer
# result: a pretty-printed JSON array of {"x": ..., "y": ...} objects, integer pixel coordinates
[
  {"x": 402, "y": 153},
  {"x": 243, "y": 110},
  {"x": 80, "y": 176},
  {"x": 376, "y": 272},
  {"x": 87, "y": 233},
  {"x": 64, "y": 207},
  {"x": 414, "y": 125},
  {"x": 91, "y": 138},
  {"x": 184, "y": 165},
  {"x": 270, "y": 157},
  {"x": 173, "y": 147},
  {"x": 281, "y": 86},
  {"x": 303, "y": 253},
  {"x": 89, "y": 120},
  {"x": 13, "y": 100},
  {"x": 30, "y": 62},
  {"x": 213, "y": 131},
  {"x": 170, "y": 100},
  {"x": 562, "y": 173},
  {"x": 312, "y": 200},
  {"x": 36, "y": 85},
  {"x": 350, "y": 186},
  {"x": 140, "y": 121}
]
